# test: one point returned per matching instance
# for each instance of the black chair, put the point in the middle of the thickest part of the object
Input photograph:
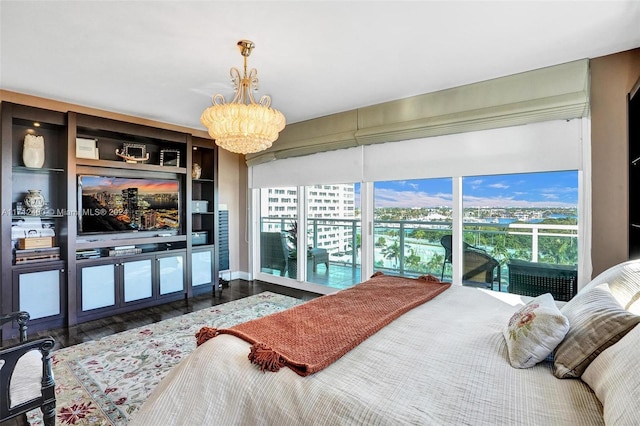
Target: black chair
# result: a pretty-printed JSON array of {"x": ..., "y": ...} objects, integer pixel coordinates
[
  {"x": 534, "y": 279},
  {"x": 480, "y": 269},
  {"x": 272, "y": 252},
  {"x": 26, "y": 377},
  {"x": 446, "y": 242}
]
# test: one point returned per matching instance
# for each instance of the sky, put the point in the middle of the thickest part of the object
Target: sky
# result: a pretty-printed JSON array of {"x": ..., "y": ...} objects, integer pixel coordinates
[
  {"x": 93, "y": 184},
  {"x": 549, "y": 189}
]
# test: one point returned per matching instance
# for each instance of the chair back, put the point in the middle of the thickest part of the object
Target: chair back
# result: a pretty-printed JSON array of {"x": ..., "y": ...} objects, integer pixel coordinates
[
  {"x": 272, "y": 251},
  {"x": 533, "y": 279},
  {"x": 446, "y": 242},
  {"x": 26, "y": 375},
  {"x": 479, "y": 267}
]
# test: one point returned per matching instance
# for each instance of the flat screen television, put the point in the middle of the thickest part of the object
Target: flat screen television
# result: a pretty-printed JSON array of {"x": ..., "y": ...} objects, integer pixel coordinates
[{"x": 119, "y": 204}]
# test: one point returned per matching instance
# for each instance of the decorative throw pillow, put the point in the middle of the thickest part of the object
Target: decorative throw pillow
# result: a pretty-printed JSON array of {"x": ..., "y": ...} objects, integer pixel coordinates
[
  {"x": 597, "y": 321},
  {"x": 534, "y": 331},
  {"x": 614, "y": 376}
]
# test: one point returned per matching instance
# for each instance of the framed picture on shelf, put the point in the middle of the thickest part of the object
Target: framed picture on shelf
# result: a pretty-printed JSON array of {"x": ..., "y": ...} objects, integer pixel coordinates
[
  {"x": 87, "y": 148},
  {"x": 133, "y": 152},
  {"x": 170, "y": 157}
]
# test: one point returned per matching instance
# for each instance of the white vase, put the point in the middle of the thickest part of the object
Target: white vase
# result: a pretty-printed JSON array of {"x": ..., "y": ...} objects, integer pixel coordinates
[
  {"x": 34, "y": 201},
  {"x": 33, "y": 151}
]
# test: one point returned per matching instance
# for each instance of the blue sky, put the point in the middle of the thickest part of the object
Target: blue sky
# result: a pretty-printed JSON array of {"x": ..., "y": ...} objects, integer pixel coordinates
[{"x": 549, "y": 189}]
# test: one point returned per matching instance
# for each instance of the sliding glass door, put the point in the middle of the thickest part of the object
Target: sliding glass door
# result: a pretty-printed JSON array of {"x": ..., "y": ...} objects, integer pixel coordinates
[
  {"x": 278, "y": 219},
  {"x": 320, "y": 247},
  {"x": 333, "y": 234},
  {"x": 530, "y": 217},
  {"x": 415, "y": 206},
  {"x": 411, "y": 218}
]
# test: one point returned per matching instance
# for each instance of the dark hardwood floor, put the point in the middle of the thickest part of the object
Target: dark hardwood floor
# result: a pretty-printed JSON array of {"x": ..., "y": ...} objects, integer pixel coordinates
[{"x": 92, "y": 330}]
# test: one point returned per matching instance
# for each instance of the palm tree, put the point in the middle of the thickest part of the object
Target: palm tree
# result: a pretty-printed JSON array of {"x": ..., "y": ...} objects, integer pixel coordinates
[
  {"x": 413, "y": 261},
  {"x": 392, "y": 252}
]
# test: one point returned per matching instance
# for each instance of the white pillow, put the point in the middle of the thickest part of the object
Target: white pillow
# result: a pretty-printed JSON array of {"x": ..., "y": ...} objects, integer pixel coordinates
[
  {"x": 534, "y": 331},
  {"x": 614, "y": 376}
]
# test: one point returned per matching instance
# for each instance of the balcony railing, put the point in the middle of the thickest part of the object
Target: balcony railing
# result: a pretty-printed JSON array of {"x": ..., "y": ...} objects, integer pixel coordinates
[{"x": 413, "y": 247}]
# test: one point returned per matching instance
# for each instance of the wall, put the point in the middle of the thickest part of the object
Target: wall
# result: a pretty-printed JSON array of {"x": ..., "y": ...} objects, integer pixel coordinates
[
  {"x": 232, "y": 189},
  {"x": 612, "y": 78}
]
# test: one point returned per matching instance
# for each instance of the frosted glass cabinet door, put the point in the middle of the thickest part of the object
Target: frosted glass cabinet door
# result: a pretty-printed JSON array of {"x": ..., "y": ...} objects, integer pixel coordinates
[
  {"x": 201, "y": 268},
  {"x": 98, "y": 286},
  {"x": 40, "y": 293},
  {"x": 138, "y": 283},
  {"x": 171, "y": 271}
]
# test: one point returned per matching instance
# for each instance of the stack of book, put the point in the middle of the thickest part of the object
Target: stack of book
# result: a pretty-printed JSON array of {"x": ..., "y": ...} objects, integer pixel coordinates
[
  {"x": 124, "y": 250},
  {"x": 37, "y": 255},
  {"x": 87, "y": 254}
]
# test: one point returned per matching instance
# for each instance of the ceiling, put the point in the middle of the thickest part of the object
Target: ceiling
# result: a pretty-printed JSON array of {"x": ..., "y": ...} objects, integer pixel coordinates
[{"x": 164, "y": 60}]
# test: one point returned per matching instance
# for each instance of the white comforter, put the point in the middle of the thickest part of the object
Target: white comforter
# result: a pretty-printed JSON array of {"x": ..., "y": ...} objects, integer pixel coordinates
[{"x": 443, "y": 363}]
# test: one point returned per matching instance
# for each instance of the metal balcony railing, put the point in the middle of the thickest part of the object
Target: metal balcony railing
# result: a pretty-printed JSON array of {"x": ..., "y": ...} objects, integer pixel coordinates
[{"x": 413, "y": 247}]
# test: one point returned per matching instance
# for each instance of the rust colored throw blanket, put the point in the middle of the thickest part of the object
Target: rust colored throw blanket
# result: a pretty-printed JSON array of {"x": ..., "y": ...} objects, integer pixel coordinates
[{"x": 310, "y": 336}]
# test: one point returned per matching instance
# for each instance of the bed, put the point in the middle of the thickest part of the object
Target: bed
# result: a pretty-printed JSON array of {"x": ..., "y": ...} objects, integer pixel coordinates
[{"x": 444, "y": 362}]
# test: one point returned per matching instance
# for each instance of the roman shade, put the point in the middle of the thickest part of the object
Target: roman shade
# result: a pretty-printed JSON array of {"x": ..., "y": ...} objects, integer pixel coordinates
[{"x": 546, "y": 94}]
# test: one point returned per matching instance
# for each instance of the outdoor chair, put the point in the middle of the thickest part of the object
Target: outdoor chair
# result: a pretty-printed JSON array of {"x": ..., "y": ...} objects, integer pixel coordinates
[
  {"x": 319, "y": 256},
  {"x": 272, "y": 252},
  {"x": 26, "y": 377},
  {"x": 534, "y": 279},
  {"x": 480, "y": 269},
  {"x": 446, "y": 242}
]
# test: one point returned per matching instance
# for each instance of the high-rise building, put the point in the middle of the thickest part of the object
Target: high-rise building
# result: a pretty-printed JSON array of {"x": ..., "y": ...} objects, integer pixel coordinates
[{"x": 326, "y": 206}]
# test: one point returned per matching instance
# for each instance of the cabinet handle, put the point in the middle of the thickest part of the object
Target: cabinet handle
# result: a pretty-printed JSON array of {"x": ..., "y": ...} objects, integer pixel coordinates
[{"x": 62, "y": 271}]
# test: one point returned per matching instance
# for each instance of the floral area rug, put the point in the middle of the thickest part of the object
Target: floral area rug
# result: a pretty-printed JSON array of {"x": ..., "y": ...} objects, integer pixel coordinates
[{"x": 104, "y": 382}]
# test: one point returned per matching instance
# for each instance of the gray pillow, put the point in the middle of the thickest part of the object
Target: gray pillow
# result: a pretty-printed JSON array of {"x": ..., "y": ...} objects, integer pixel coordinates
[{"x": 596, "y": 322}]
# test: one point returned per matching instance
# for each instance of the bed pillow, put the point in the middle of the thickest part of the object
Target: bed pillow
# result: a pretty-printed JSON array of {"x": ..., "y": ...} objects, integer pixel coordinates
[
  {"x": 534, "y": 331},
  {"x": 614, "y": 376},
  {"x": 597, "y": 321}
]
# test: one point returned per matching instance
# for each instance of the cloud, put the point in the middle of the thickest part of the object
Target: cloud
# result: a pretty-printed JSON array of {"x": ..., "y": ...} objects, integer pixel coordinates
[{"x": 499, "y": 186}]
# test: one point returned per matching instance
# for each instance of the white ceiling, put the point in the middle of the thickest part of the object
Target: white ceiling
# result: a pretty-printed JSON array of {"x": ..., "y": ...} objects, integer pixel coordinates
[{"x": 164, "y": 60}]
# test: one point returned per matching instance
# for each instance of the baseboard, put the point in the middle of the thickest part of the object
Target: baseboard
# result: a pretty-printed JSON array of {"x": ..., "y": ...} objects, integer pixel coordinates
[{"x": 234, "y": 275}]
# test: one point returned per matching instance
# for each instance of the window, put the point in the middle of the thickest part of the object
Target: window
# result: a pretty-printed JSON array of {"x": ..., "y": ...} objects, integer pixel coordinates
[
  {"x": 333, "y": 239},
  {"x": 401, "y": 233},
  {"x": 276, "y": 219},
  {"x": 529, "y": 216},
  {"x": 410, "y": 218}
]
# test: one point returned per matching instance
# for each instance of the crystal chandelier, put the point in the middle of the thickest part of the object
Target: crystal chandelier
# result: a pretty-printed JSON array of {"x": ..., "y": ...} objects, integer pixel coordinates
[{"x": 243, "y": 126}]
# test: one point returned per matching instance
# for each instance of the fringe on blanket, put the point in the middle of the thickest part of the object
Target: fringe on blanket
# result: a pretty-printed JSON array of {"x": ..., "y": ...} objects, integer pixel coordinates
[{"x": 260, "y": 354}]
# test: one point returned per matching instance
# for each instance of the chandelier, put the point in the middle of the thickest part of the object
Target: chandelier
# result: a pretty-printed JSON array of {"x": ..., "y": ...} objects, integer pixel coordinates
[{"x": 243, "y": 126}]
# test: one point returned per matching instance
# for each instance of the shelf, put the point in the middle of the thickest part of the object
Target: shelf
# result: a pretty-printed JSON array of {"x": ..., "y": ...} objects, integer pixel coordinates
[
  {"x": 43, "y": 216},
  {"x": 58, "y": 183},
  {"x": 46, "y": 170},
  {"x": 130, "y": 166},
  {"x": 48, "y": 264},
  {"x": 127, "y": 256},
  {"x": 207, "y": 246},
  {"x": 98, "y": 243}
]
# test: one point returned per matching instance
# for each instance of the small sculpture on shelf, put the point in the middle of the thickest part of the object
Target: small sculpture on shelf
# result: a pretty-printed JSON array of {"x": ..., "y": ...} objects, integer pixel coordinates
[
  {"x": 33, "y": 151},
  {"x": 34, "y": 201},
  {"x": 196, "y": 171}
]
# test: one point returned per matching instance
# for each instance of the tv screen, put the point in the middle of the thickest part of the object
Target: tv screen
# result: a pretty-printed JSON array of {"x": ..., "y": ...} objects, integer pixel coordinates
[{"x": 117, "y": 204}]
